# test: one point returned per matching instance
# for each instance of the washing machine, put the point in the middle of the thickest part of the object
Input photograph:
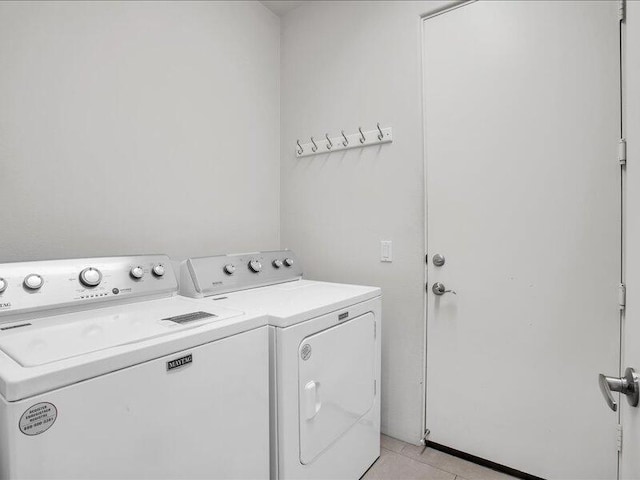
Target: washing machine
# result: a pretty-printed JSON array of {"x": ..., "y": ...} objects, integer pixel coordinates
[
  {"x": 105, "y": 372},
  {"x": 324, "y": 359}
]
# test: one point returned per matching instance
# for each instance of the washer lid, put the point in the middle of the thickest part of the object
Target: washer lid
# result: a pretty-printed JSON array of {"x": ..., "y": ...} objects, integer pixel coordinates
[{"x": 38, "y": 342}]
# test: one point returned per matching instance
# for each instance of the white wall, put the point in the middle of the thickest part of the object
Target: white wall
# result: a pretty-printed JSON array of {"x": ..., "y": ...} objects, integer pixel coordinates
[
  {"x": 344, "y": 65},
  {"x": 131, "y": 127}
]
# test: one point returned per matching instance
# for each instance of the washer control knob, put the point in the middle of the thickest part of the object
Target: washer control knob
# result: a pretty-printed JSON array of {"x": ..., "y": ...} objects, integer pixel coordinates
[
  {"x": 3, "y": 285},
  {"x": 158, "y": 270},
  {"x": 137, "y": 272},
  {"x": 229, "y": 269},
  {"x": 90, "y": 277},
  {"x": 288, "y": 262},
  {"x": 33, "y": 281},
  {"x": 255, "y": 266},
  {"x": 277, "y": 263}
]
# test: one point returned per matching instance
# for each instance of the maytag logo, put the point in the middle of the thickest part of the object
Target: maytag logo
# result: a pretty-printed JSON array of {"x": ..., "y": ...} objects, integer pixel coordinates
[
  {"x": 179, "y": 362},
  {"x": 5, "y": 305},
  {"x": 343, "y": 316}
]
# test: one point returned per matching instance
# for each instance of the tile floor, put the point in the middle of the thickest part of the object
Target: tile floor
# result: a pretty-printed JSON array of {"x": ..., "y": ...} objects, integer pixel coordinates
[{"x": 402, "y": 461}]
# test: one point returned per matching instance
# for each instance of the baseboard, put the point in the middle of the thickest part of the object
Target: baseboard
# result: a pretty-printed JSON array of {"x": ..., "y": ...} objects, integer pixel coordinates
[{"x": 481, "y": 461}]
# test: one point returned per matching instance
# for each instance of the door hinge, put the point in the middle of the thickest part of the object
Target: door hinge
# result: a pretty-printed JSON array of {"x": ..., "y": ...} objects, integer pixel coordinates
[
  {"x": 622, "y": 10},
  {"x": 619, "y": 437},
  {"x": 622, "y": 151},
  {"x": 622, "y": 296}
]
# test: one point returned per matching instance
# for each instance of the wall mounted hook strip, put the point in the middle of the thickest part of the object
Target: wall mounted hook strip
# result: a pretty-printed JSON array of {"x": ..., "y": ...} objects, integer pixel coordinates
[{"x": 346, "y": 142}]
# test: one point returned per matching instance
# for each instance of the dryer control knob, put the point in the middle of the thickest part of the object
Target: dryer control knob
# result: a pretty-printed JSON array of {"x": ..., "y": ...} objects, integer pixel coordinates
[
  {"x": 229, "y": 269},
  {"x": 33, "y": 281},
  {"x": 90, "y": 277},
  {"x": 288, "y": 262},
  {"x": 277, "y": 263},
  {"x": 255, "y": 266},
  {"x": 137, "y": 272},
  {"x": 3, "y": 285},
  {"x": 158, "y": 270}
]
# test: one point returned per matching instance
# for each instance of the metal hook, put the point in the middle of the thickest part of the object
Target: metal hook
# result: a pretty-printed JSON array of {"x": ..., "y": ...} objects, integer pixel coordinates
[
  {"x": 363, "y": 139},
  {"x": 315, "y": 147},
  {"x": 330, "y": 145},
  {"x": 381, "y": 136},
  {"x": 346, "y": 141},
  {"x": 301, "y": 151}
]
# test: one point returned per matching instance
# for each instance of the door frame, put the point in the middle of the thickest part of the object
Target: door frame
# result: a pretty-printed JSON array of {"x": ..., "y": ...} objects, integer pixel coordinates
[
  {"x": 423, "y": 19},
  {"x": 623, "y": 209}
]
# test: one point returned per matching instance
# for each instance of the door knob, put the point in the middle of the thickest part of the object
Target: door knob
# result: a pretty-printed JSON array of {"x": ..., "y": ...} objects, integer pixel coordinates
[
  {"x": 439, "y": 289},
  {"x": 627, "y": 385},
  {"x": 438, "y": 260}
]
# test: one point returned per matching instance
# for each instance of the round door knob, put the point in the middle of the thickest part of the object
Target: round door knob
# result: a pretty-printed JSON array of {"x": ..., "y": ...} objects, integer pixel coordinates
[
  {"x": 158, "y": 270},
  {"x": 288, "y": 262},
  {"x": 255, "y": 266},
  {"x": 137, "y": 272},
  {"x": 229, "y": 269},
  {"x": 33, "y": 281},
  {"x": 90, "y": 277},
  {"x": 438, "y": 260},
  {"x": 3, "y": 285},
  {"x": 277, "y": 263}
]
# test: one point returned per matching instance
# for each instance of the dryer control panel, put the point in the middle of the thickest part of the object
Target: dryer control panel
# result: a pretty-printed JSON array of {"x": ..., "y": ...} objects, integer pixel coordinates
[
  {"x": 27, "y": 287},
  {"x": 206, "y": 276}
]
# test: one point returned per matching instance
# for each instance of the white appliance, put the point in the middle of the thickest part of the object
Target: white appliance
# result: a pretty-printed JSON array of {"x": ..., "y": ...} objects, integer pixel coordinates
[
  {"x": 105, "y": 372},
  {"x": 324, "y": 359}
]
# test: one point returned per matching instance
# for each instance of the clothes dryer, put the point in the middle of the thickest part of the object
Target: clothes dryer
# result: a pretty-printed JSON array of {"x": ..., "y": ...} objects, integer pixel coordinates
[{"x": 324, "y": 359}]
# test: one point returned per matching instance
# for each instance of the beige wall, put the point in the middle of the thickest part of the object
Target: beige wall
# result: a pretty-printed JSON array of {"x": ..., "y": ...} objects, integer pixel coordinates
[
  {"x": 138, "y": 127},
  {"x": 344, "y": 65}
]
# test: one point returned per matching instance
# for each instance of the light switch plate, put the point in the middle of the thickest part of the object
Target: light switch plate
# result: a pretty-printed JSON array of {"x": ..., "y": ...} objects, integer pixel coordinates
[{"x": 386, "y": 251}]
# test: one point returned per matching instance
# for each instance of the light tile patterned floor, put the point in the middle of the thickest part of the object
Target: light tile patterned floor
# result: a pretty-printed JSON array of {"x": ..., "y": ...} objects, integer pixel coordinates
[{"x": 402, "y": 461}]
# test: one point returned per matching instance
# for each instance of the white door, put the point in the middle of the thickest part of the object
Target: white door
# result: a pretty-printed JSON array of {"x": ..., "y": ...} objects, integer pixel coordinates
[
  {"x": 523, "y": 201},
  {"x": 630, "y": 416}
]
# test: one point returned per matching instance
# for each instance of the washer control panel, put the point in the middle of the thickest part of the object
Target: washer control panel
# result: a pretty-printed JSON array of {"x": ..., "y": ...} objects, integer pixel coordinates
[
  {"x": 52, "y": 284},
  {"x": 206, "y": 276}
]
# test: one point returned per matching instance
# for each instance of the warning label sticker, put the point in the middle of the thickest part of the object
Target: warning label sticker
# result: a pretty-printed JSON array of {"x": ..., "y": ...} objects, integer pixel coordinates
[{"x": 38, "y": 418}]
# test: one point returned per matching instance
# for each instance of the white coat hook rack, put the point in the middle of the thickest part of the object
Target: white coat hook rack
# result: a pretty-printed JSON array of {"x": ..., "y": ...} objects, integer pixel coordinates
[{"x": 344, "y": 142}]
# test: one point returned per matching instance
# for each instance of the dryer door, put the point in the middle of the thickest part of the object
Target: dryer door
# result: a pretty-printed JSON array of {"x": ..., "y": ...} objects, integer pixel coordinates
[{"x": 335, "y": 382}]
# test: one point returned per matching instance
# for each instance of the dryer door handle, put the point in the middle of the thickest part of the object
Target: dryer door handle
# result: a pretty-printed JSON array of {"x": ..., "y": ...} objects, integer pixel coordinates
[{"x": 311, "y": 400}]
